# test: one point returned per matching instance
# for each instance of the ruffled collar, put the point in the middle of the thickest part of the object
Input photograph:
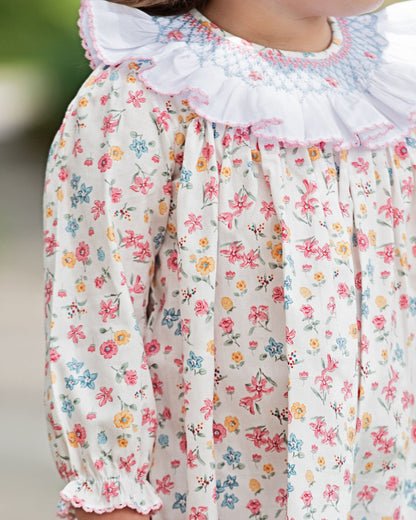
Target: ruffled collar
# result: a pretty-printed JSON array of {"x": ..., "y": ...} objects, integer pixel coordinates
[{"x": 361, "y": 91}]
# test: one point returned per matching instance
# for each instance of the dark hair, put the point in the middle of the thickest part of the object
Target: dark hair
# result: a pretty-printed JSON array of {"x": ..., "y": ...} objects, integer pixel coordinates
[{"x": 163, "y": 7}]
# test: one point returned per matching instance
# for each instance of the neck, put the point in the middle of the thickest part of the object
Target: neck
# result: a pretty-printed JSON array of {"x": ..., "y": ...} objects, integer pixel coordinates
[{"x": 267, "y": 23}]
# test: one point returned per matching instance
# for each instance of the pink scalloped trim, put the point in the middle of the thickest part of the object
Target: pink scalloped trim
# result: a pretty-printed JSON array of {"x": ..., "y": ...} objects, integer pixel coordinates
[
  {"x": 77, "y": 503},
  {"x": 191, "y": 94}
]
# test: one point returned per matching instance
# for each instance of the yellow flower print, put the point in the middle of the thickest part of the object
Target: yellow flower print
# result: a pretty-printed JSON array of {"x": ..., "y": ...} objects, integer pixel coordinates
[
  {"x": 205, "y": 265},
  {"x": 69, "y": 260},
  {"x": 319, "y": 276},
  {"x": 226, "y": 171},
  {"x": 372, "y": 237},
  {"x": 123, "y": 442},
  {"x": 363, "y": 209},
  {"x": 110, "y": 234},
  {"x": 203, "y": 242},
  {"x": 117, "y": 257},
  {"x": 172, "y": 155},
  {"x": 321, "y": 461},
  {"x": 298, "y": 410},
  {"x": 83, "y": 102},
  {"x": 121, "y": 337},
  {"x": 53, "y": 378},
  {"x": 80, "y": 287},
  {"x": 277, "y": 252},
  {"x": 237, "y": 357},
  {"x": 314, "y": 153},
  {"x": 215, "y": 398},
  {"x": 131, "y": 78},
  {"x": 241, "y": 285},
  {"x": 343, "y": 249},
  {"x": 309, "y": 476},
  {"x": 268, "y": 468},
  {"x": 163, "y": 207},
  {"x": 72, "y": 439},
  {"x": 133, "y": 66},
  {"x": 231, "y": 423},
  {"x": 123, "y": 419},
  {"x": 49, "y": 212},
  {"x": 384, "y": 354},
  {"x": 344, "y": 155},
  {"x": 368, "y": 466},
  {"x": 116, "y": 153},
  {"x": 351, "y": 436},
  {"x": 381, "y": 301},
  {"x": 332, "y": 172},
  {"x": 179, "y": 138},
  {"x": 256, "y": 155},
  {"x": 211, "y": 347},
  {"x": 254, "y": 485},
  {"x": 305, "y": 292},
  {"x": 337, "y": 227},
  {"x": 366, "y": 420},
  {"x": 171, "y": 228},
  {"x": 353, "y": 330},
  {"x": 314, "y": 343},
  {"x": 403, "y": 261},
  {"x": 361, "y": 392},
  {"x": 201, "y": 165},
  {"x": 60, "y": 194},
  {"x": 227, "y": 303},
  {"x": 396, "y": 161},
  {"x": 146, "y": 217}
]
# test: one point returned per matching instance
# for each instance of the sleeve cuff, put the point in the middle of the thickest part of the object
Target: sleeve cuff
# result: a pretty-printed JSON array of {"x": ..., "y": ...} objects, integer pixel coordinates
[{"x": 106, "y": 496}]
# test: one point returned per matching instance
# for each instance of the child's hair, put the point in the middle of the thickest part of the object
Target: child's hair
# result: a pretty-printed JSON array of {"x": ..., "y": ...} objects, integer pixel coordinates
[{"x": 163, "y": 7}]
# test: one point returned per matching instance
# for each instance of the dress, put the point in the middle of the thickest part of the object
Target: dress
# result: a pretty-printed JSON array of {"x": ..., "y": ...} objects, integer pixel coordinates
[{"x": 230, "y": 273}]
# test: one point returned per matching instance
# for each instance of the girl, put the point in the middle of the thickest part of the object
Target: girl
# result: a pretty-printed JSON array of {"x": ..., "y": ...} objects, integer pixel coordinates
[{"x": 230, "y": 263}]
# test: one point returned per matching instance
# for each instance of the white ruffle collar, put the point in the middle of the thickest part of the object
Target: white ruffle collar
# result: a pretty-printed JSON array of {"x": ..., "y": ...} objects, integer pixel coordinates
[{"x": 361, "y": 91}]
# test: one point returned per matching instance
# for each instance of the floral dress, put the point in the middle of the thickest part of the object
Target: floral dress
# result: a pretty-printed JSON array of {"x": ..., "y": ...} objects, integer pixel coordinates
[{"x": 230, "y": 273}]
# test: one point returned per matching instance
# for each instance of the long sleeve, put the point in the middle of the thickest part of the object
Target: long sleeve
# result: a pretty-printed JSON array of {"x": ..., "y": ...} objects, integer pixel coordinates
[{"x": 106, "y": 206}]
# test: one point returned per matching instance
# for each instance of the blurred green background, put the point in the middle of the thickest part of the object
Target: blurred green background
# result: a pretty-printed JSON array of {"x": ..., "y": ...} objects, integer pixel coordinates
[{"x": 42, "y": 65}]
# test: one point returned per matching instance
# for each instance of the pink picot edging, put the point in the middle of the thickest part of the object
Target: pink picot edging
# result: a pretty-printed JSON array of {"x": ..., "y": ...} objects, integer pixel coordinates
[{"x": 195, "y": 97}]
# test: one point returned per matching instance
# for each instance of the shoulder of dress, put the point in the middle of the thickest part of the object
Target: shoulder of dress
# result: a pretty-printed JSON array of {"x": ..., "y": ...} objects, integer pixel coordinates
[{"x": 360, "y": 93}]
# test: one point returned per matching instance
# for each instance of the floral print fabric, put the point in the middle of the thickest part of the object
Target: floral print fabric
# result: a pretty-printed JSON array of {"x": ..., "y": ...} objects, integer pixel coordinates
[{"x": 230, "y": 323}]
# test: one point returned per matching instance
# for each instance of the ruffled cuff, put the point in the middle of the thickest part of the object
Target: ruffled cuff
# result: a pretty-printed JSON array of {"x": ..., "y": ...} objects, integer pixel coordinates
[{"x": 106, "y": 496}]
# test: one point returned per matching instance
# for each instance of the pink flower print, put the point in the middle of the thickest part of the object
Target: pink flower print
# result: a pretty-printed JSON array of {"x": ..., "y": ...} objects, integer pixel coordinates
[
  {"x": 109, "y": 125},
  {"x": 226, "y": 324},
  {"x": 77, "y": 148},
  {"x": 248, "y": 403},
  {"x": 346, "y": 390},
  {"x": 162, "y": 119},
  {"x": 138, "y": 287},
  {"x": 258, "y": 388},
  {"x": 278, "y": 294},
  {"x": 208, "y": 151},
  {"x": 141, "y": 473},
  {"x": 98, "y": 209},
  {"x": 228, "y": 218},
  {"x": 398, "y": 216},
  {"x": 54, "y": 355},
  {"x": 130, "y": 377},
  {"x": 234, "y": 252},
  {"x": 104, "y": 396},
  {"x": 404, "y": 301},
  {"x": 343, "y": 290},
  {"x": 142, "y": 253},
  {"x": 201, "y": 307},
  {"x": 323, "y": 252},
  {"x": 318, "y": 427},
  {"x": 152, "y": 347},
  {"x": 148, "y": 416},
  {"x": 308, "y": 247},
  {"x": 219, "y": 432},
  {"x": 361, "y": 166},
  {"x": 240, "y": 203},
  {"x": 258, "y": 314},
  {"x": 116, "y": 194},
  {"x": 50, "y": 243},
  {"x": 63, "y": 174},
  {"x": 306, "y": 498},
  {"x": 136, "y": 98},
  {"x": 324, "y": 381},
  {"x": 367, "y": 493},
  {"x": 401, "y": 151},
  {"x": 407, "y": 400},
  {"x": 328, "y": 437},
  {"x": 142, "y": 185},
  {"x": 362, "y": 241},
  {"x": 80, "y": 434},
  {"x": 198, "y": 514},
  {"x": 99, "y": 464},
  {"x": 379, "y": 436},
  {"x": 290, "y": 335},
  {"x": 82, "y": 252},
  {"x": 347, "y": 477},
  {"x": 254, "y": 506},
  {"x": 191, "y": 458},
  {"x": 132, "y": 240},
  {"x": 193, "y": 222},
  {"x": 76, "y": 333},
  {"x": 165, "y": 485},
  {"x": 211, "y": 189},
  {"x": 259, "y": 437},
  {"x": 407, "y": 187},
  {"x": 249, "y": 259},
  {"x": 241, "y": 135},
  {"x": 108, "y": 349},
  {"x": 358, "y": 281},
  {"x": 108, "y": 310},
  {"x": 281, "y": 498},
  {"x": 172, "y": 261},
  {"x": 276, "y": 443},
  {"x": 127, "y": 463},
  {"x": 307, "y": 205},
  {"x": 104, "y": 100},
  {"x": 331, "y": 492},
  {"x": 207, "y": 409},
  {"x": 105, "y": 163},
  {"x": 307, "y": 310},
  {"x": 387, "y": 208},
  {"x": 392, "y": 484},
  {"x": 110, "y": 489},
  {"x": 157, "y": 384},
  {"x": 331, "y": 305},
  {"x": 175, "y": 35},
  {"x": 379, "y": 322},
  {"x": 268, "y": 209}
]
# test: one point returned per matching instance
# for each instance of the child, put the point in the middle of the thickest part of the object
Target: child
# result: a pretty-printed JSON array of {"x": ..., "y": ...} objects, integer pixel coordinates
[{"x": 230, "y": 264}]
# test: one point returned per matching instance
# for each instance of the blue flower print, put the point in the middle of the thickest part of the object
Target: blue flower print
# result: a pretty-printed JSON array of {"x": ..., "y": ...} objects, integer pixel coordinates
[
  {"x": 229, "y": 500},
  {"x": 185, "y": 175},
  {"x": 180, "y": 502},
  {"x": 87, "y": 379},
  {"x": 74, "y": 181},
  {"x": 72, "y": 227},
  {"x": 342, "y": 343},
  {"x": 169, "y": 316},
  {"x": 220, "y": 487},
  {"x": 288, "y": 301},
  {"x": 287, "y": 282},
  {"x": 75, "y": 365},
  {"x": 102, "y": 438},
  {"x": 163, "y": 440},
  {"x": 100, "y": 255},
  {"x": 68, "y": 407},
  {"x": 294, "y": 444},
  {"x": 194, "y": 361},
  {"x": 74, "y": 201},
  {"x": 232, "y": 457},
  {"x": 231, "y": 481},
  {"x": 291, "y": 470},
  {"x": 70, "y": 382},
  {"x": 412, "y": 502},
  {"x": 139, "y": 147},
  {"x": 412, "y": 306},
  {"x": 158, "y": 240},
  {"x": 84, "y": 193},
  {"x": 274, "y": 348}
]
